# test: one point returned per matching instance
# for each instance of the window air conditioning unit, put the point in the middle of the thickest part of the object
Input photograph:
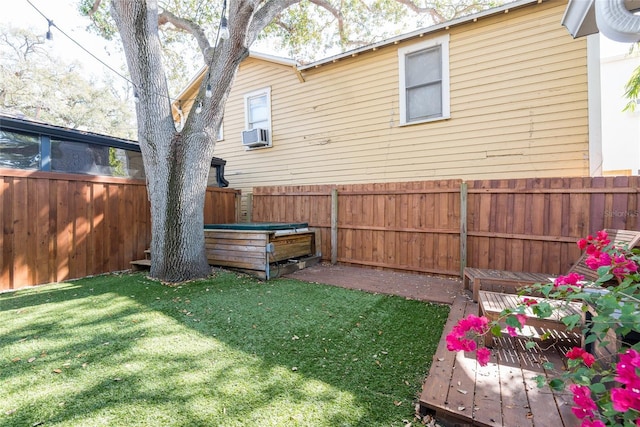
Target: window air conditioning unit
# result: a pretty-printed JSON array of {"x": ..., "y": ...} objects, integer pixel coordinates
[{"x": 255, "y": 138}]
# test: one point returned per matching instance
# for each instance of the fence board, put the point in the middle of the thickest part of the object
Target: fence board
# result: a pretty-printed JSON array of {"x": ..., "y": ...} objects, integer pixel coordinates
[
  {"x": 61, "y": 226},
  {"x": 515, "y": 224}
]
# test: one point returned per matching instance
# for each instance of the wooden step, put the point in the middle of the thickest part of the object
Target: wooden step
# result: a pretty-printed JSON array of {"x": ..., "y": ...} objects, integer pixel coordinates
[
  {"x": 147, "y": 254},
  {"x": 141, "y": 264}
]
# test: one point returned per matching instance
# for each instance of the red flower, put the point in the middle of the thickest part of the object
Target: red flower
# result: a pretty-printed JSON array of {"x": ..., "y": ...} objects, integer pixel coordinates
[{"x": 579, "y": 353}]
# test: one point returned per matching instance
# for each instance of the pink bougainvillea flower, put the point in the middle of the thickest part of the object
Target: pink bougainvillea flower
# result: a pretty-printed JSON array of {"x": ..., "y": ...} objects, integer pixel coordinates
[
  {"x": 522, "y": 319},
  {"x": 623, "y": 266},
  {"x": 626, "y": 368},
  {"x": 529, "y": 302},
  {"x": 579, "y": 353},
  {"x": 600, "y": 259},
  {"x": 582, "y": 244},
  {"x": 457, "y": 339},
  {"x": 624, "y": 399},
  {"x": 588, "y": 359},
  {"x": 586, "y": 407},
  {"x": 588, "y": 422},
  {"x": 482, "y": 356},
  {"x": 512, "y": 331},
  {"x": 571, "y": 279},
  {"x": 575, "y": 353}
]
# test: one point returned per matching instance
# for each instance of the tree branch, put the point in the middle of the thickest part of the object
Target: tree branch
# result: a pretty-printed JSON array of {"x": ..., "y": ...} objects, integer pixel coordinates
[
  {"x": 166, "y": 17},
  {"x": 94, "y": 9},
  {"x": 431, "y": 11},
  {"x": 336, "y": 13}
]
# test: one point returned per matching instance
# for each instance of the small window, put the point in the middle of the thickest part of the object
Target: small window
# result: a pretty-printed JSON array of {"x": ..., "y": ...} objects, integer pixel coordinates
[
  {"x": 19, "y": 151},
  {"x": 424, "y": 81},
  {"x": 257, "y": 107}
]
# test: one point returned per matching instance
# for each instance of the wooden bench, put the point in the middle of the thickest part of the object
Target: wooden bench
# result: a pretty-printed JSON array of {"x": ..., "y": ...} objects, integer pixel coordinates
[
  {"x": 500, "y": 280},
  {"x": 509, "y": 281},
  {"x": 491, "y": 304}
]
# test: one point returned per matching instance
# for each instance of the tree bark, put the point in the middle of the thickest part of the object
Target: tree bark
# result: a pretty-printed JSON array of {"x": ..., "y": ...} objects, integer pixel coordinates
[{"x": 176, "y": 162}]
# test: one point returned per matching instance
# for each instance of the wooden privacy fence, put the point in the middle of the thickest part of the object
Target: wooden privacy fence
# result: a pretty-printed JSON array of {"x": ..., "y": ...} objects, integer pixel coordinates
[
  {"x": 438, "y": 227},
  {"x": 62, "y": 226}
]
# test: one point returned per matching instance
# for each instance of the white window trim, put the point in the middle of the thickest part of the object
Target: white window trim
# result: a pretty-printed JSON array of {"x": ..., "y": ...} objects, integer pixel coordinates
[
  {"x": 259, "y": 92},
  {"x": 443, "y": 41}
]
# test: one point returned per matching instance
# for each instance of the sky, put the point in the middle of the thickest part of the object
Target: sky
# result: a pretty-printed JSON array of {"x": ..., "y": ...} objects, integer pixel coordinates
[{"x": 65, "y": 16}]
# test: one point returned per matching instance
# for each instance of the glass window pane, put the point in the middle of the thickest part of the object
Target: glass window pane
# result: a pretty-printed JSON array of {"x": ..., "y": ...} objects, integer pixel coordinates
[
  {"x": 424, "y": 102},
  {"x": 258, "y": 111},
  {"x": 78, "y": 157},
  {"x": 423, "y": 67},
  {"x": 19, "y": 151}
]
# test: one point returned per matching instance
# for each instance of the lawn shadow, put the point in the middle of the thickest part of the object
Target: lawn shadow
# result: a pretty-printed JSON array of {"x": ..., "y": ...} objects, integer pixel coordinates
[{"x": 233, "y": 349}]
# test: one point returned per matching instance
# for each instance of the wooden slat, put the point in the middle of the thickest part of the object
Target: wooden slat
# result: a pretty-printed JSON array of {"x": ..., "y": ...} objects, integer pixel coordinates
[
  {"x": 504, "y": 392},
  {"x": 62, "y": 226}
]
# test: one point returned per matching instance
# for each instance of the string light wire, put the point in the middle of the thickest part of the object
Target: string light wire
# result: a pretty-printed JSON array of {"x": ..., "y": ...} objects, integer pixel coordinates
[{"x": 135, "y": 92}]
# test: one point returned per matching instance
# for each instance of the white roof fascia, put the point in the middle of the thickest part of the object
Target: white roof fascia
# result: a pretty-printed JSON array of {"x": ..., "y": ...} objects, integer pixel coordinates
[
  {"x": 421, "y": 32},
  {"x": 275, "y": 59}
]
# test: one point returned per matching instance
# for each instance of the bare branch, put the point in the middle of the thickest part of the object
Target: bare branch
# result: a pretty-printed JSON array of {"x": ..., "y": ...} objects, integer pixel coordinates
[
  {"x": 94, "y": 9},
  {"x": 269, "y": 10},
  {"x": 431, "y": 11},
  {"x": 166, "y": 17},
  {"x": 335, "y": 12}
]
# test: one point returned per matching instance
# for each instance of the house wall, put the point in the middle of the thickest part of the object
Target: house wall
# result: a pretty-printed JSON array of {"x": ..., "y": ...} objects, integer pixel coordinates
[
  {"x": 621, "y": 129},
  {"x": 518, "y": 109}
]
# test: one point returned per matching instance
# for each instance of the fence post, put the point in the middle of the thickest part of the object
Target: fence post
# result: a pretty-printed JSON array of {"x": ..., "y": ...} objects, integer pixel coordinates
[
  {"x": 334, "y": 226},
  {"x": 463, "y": 228},
  {"x": 249, "y": 207}
]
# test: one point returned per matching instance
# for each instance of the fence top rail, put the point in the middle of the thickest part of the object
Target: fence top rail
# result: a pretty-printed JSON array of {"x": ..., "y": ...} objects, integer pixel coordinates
[
  {"x": 568, "y": 190},
  {"x": 361, "y": 192},
  {"x": 22, "y": 173}
]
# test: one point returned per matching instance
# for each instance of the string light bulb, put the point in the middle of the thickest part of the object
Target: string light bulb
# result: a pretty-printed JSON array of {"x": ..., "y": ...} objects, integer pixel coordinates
[
  {"x": 199, "y": 108},
  {"x": 224, "y": 28},
  {"x": 49, "y": 34},
  {"x": 208, "y": 93},
  {"x": 136, "y": 98}
]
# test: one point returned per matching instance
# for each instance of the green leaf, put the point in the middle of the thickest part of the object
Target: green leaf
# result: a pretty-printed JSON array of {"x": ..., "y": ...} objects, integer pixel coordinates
[
  {"x": 556, "y": 384},
  {"x": 496, "y": 330},
  {"x": 512, "y": 321},
  {"x": 598, "y": 388},
  {"x": 542, "y": 310},
  {"x": 548, "y": 366},
  {"x": 530, "y": 344},
  {"x": 572, "y": 321}
]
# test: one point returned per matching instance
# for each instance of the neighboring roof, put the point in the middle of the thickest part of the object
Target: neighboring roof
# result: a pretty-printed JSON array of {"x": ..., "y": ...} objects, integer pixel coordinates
[{"x": 17, "y": 124}]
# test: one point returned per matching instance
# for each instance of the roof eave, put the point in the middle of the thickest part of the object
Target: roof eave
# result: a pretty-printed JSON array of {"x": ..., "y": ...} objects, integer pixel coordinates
[{"x": 421, "y": 32}]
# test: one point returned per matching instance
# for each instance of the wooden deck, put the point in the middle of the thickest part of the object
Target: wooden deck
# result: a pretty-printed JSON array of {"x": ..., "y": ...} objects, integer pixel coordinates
[{"x": 504, "y": 393}]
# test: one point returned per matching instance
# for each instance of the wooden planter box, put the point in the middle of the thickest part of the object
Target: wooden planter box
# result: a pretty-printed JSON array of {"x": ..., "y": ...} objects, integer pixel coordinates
[{"x": 265, "y": 250}]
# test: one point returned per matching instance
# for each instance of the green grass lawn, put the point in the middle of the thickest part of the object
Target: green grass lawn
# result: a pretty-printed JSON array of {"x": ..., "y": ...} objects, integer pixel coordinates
[{"x": 122, "y": 350}]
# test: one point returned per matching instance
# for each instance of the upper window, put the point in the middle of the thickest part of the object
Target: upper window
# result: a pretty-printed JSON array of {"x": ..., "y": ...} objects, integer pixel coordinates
[
  {"x": 424, "y": 81},
  {"x": 257, "y": 107}
]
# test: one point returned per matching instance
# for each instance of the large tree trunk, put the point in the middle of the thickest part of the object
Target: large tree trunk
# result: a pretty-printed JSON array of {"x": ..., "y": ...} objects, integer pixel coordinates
[
  {"x": 176, "y": 162},
  {"x": 177, "y": 203}
]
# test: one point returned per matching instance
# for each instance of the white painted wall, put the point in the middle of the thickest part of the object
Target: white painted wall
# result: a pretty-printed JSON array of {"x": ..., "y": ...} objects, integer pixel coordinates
[{"x": 620, "y": 130}]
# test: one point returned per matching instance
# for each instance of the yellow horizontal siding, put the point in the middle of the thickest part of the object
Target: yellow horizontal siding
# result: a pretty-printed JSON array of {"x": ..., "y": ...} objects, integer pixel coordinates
[{"x": 518, "y": 109}]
